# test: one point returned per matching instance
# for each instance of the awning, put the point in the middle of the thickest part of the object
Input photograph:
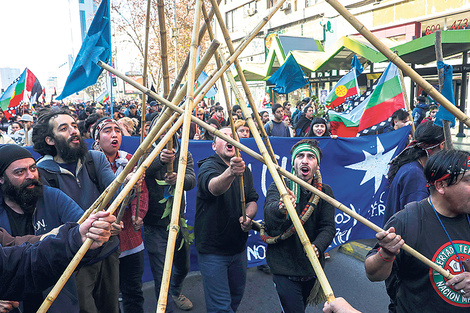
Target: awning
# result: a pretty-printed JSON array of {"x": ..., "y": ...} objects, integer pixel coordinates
[
  {"x": 422, "y": 51},
  {"x": 340, "y": 54}
]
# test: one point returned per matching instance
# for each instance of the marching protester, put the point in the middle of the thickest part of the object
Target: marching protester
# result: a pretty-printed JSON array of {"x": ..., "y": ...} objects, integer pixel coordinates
[
  {"x": 302, "y": 127},
  {"x": 29, "y": 208},
  {"x": 405, "y": 176},
  {"x": 438, "y": 228},
  {"x": 17, "y": 133},
  {"x": 319, "y": 128},
  {"x": 219, "y": 115},
  {"x": 431, "y": 114},
  {"x": 220, "y": 229},
  {"x": 293, "y": 275},
  {"x": 3, "y": 122},
  {"x": 242, "y": 129},
  {"x": 419, "y": 112},
  {"x": 68, "y": 165},
  {"x": 400, "y": 118},
  {"x": 27, "y": 122},
  {"x": 160, "y": 183},
  {"x": 207, "y": 135},
  {"x": 108, "y": 137},
  {"x": 276, "y": 127}
]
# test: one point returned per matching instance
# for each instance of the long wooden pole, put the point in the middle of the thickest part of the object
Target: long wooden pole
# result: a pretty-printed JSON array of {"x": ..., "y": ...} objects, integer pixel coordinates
[
  {"x": 427, "y": 87},
  {"x": 175, "y": 211},
  {"x": 229, "y": 109},
  {"x": 86, "y": 245},
  {"x": 440, "y": 74},
  {"x": 184, "y": 67},
  {"x": 407, "y": 101},
  {"x": 241, "y": 76},
  {"x": 289, "y": 175},
  {"x": 143, "y": 108}
]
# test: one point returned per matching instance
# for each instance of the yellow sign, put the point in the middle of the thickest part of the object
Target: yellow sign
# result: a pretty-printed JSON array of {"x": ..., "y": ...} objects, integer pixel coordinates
[{"x": 341, "y": 91}]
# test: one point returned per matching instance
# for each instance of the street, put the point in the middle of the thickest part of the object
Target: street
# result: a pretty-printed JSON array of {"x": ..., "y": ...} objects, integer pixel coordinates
[{"x": 345, "y": 274}]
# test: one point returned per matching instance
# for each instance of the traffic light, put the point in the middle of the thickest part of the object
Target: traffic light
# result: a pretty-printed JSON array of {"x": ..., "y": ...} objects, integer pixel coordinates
[{"x": 114, "y": 82}]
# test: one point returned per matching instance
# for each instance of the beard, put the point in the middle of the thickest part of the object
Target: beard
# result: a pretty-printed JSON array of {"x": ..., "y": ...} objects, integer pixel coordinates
[
  {"x": 68, "y": 153},
  {"x": 25, "y": 197}
]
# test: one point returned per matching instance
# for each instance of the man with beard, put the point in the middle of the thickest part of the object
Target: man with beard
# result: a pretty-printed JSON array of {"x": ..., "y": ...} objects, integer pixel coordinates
[
  {"x": 293, "y": 275},
  {"x": 82, "y": 175},
  {"x": 29, "y": 208},
  {"x": 220, "y": 229}
]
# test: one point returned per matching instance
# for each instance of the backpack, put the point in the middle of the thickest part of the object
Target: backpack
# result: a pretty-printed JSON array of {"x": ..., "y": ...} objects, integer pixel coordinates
[
  {"x": 271, "y": 126},
  {"x": 88, "y": 162}
]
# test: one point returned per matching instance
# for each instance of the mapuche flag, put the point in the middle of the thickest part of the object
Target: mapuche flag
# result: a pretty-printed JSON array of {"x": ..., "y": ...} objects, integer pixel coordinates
[
  {"x": 386, "y": 98},
  {"x": 33, "y": 87},
  {"x": 345, "y": 88},
  {"x": 378, "y": 105},
  {"x": 11, "y": 98}
]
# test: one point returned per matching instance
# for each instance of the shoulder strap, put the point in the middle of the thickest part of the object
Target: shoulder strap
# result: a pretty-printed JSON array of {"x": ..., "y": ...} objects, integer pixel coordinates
[
  {"x": 49, "y": 177},
  {"x": 90, "y": 167},
  {"x": 412, "y": 218},
  {"x": 270, "y": 127}
]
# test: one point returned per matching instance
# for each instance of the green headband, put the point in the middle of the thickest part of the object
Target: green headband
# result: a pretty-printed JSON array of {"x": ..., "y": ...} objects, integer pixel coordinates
[
  {"x": 302, "y": 148},
  {"x": 306, "y": 147}
]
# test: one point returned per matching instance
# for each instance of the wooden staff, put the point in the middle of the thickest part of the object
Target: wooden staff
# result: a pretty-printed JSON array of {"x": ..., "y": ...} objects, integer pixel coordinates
[
  {"x": 427, "y": 87},
  {"x": 175, "y": 211},
  {"x": 164, "y": 59},
  {"x": 440, "y": 74},
  {"x": 183, "y": 69},
  {"x": 229, "y": 110},
  {"x": 86, "y": 245},
  {"x": 241, "y": 75},
  {"x": 407, "y": 102}
]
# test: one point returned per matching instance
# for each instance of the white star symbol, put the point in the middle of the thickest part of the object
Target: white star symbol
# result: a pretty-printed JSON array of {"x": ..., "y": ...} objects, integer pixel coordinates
[{"x": 375, "y": 165}]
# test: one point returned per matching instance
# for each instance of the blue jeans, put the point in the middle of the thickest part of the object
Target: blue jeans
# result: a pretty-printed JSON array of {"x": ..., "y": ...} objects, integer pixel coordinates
[
  {"x": 131, "y": 269},
  {"x": 224, "y": 279},
  {"x": 293, "y": 294},
  {"x": 156, "y": 238}
]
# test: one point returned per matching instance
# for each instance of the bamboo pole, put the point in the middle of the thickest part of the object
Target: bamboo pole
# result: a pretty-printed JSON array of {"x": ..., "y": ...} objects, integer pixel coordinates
[
  {"x": 241, "y": 75},
  {"x": 184, "y": 67},
  {"x": 164, "y": 59},
  {"x": 144, "y": 106},
  {"x": 86, "y": 245},
  {"x": 289, "y": 175},
  {"x": 407, "y": 101},
  {"x": 175, "y": 211},
  {"x": 440, "y": 74},
  {"x": 229, "y": 109},
  {"x": 427, "y": 87}
]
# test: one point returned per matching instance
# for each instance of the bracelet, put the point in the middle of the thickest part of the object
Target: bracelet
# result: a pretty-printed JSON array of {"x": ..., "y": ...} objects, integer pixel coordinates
[{"x": 384, "y": 258}]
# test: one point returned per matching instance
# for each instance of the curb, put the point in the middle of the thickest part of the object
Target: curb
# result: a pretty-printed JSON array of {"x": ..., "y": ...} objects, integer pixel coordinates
[{"x": 356, "y": 250}]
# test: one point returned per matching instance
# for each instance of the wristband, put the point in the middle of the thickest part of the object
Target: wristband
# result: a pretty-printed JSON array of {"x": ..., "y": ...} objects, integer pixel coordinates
[{"x": 384, "y": 258}]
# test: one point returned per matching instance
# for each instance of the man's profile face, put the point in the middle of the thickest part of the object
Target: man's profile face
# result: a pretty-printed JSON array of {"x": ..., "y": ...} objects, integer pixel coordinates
[
  {"x": 309, "y": 113},
  {"x": 458, "y": 195},
  {"x": 20, "y": 183},
  {"x": 305, "y": 165},
  {"x": 110, "y": 139}
]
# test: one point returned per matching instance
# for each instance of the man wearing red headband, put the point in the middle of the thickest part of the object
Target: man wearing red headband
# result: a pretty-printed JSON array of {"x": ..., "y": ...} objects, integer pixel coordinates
[{"x": 439, "y": 228}]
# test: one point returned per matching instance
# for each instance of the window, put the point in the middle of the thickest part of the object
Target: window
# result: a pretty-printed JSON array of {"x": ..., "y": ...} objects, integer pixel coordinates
[
  {"x": 229, "y": 20},
  {"x": 271, "y": 3}
]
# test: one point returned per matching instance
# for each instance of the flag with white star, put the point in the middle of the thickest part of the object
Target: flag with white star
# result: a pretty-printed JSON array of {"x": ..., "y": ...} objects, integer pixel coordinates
[{"x": 96, "y": 46}]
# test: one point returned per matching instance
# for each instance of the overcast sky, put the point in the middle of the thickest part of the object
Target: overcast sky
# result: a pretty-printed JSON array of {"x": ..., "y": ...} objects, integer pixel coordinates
[{"x": 37, "y": 34}]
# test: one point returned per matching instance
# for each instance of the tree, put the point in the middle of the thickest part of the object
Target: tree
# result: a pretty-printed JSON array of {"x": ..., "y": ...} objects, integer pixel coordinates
[{"x": 128, "y": 19}]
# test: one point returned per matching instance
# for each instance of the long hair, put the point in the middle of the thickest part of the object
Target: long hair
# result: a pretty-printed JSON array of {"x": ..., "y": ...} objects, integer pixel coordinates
[{"x": 426, "y": 136}]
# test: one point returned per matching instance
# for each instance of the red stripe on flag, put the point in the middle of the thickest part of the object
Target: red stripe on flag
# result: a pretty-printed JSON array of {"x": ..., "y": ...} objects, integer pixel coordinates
[
  {"x": 338, "y": 128},
  {"x": 381, "y": 111}
]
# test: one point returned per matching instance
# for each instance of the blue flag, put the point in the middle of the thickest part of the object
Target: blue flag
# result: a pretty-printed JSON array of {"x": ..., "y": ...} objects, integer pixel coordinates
[
  {"x": 288, "y": 77},
  {"x": 448, "y": 92},
  {"x": 356, "y": 65},
  {"x": 96, "y": 46}
]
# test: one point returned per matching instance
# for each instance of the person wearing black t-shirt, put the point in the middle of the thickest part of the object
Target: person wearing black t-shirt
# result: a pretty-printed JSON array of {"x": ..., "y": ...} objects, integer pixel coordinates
[{"x": 439, "y": 228}]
